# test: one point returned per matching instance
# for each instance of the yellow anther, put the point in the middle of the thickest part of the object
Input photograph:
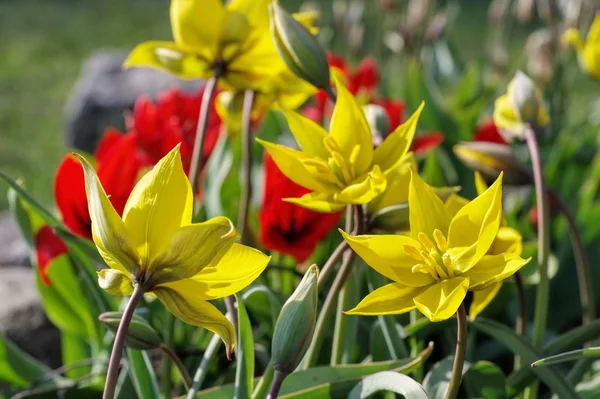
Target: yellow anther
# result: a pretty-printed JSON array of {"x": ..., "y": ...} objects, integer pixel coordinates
[
  {"x": 413, "y": 252},
  {"x": 440, "y": 270},
  {"x": 354, "y": 154},
  {"x": 426, "y": 241},
  {"x": 320, "y": 166},
  {"x": 330, "y": 144},
  {"x": 440, "y": 240},
  {"x": 341, "y": 162},
  {"x": 447, "y": 262}
]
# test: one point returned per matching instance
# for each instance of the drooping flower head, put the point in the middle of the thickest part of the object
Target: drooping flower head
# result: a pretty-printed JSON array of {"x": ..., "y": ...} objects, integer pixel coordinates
[
  {"x": 445, "y": 255},
  {"x": 155, "y": 245},
  {"x": 340, "y": 167},
  {"x": 588, "y": 51}
]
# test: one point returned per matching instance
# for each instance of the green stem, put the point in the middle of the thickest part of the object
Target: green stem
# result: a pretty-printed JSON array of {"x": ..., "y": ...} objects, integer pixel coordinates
[
  {"x": 276, "y": 385},
  {"x": 168, "y": 342},
  {"x": 246, "y": 180},
  {"x": 117, "y": 350},
  {"x": 543, "y": 288},
  {"x": 264, "y": 383},
  {"x": 329, "y": 266},
  {"x": 522, "y": 313},
  {"x": 459, "y": 356},
  {"x": 187, "y": 380},
  {"x": 197, "y": 154},
  {"x": 202, "y": 370}
]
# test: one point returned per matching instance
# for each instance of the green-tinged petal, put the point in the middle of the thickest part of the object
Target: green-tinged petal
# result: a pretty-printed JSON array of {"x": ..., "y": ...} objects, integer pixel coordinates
[
  {"x": 192, "y": 309},
  {"x": 364, "y": 188},
  {"x": 257, "y": 11},
  {"x": 350, "y": 132},
  {"x": 318, "y": 202},
  {"x": 390, "y": 299},
  {"x": 115, "y": 282},
  {"x": 493, "y": 269},
  {"x": 289, "y": 161},
  {"x": 389, "y": 154},
  {"x": 308, "y": 134},
  {"x": 474, "y": 227},
  {"x": 483, "y": 298},
  {"x": 193, "y": 248},
  {"x": 508, "y": 240},
  {"x": 398, "y": 181},
  {"x": 427, "y": 211},
  {"x": 455, "y": 203},
  {"x": 159, "y": 205},
  {"x": 386, "y": 255},
  {"x": 480, "y": 184},
  {"x": 197, "y": 24},
  {"x": 108, "y": 230},
  {"x": 442, "y": 300},
  {"x": 505, "y": 116},
  {"x": 169, "y": 57}
]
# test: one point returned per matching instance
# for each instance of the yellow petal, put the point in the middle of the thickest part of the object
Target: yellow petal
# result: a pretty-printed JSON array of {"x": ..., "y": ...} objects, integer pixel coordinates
[
  {"x": 158, "y": 206},
  {"x": 483, "y": 298},
  {"x": 442, "y": 300},
  {"x": 194, "y": 310},
  {"x": 197, "y": 24},
  {"x": 389, "y": 299},
  {"x": 171, "y": 58},
  {"x": 474, "y": 227},
  {"x": 350, "y": 130},
  {"x": 193, "y": 248},
  {"x": 508, "y": 240},
  {"x": 318, "y": 202},
  {"x": 115, "y": 282},
  {"x": 493, "y": 269},
  {"x": 289, "y": 161},
  {"x": 427, "y": 211},
  {"x": 505, "y": 116},
  {"x": 389, "y": 154},
  {"x": 593, "y": 36},
  {"x": 108, "y": 230},
  {"x": 386, "y": 255},
  {"x": 398, "y": 181},
  {"x": 364, "y": 188},
  {"x": 454, "y": 203},
  {"x": 480, "y": 184},
  {"x": 257, "y": 11},
  {"x": 308, "y": 134}
]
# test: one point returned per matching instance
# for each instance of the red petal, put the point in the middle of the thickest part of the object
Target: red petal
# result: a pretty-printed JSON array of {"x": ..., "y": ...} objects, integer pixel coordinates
[
  {"x": 487, "y": 131},
  {"x": 69, "y": 194},
  {"x": 337, "y": 61},
  {"x": 394, "y": 110},
  {"x": 424, "y": 143},
  {"x": 47, "y": 247},
  {"x": 365, "y": 77},
  {"x": 110, "y": 137}
]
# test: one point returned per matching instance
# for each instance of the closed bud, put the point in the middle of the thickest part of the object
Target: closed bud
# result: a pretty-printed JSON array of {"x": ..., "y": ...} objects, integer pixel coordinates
[
  {"x": 296, "y": 324},
  {"x": 379, "y": 122},
  {"x": 140, "y": 335},
  {"x": 524, "y": 97},
  {"x": 299, "y": 49}
]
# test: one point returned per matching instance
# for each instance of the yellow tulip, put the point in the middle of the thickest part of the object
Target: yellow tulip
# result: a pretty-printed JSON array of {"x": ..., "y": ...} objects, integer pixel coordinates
[
  {"x": 588, "y": 51},
  {"x": 340, "y": 167},
  {"x": 445, "y": 255},
  {"x": 233, "y": 41},
  {"x": 155, "y": 246}
]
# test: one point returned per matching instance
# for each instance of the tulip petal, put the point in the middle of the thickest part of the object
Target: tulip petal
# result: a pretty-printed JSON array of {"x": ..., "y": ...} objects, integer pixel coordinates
[
  {"x": 169, "y": 57},
  {"x": 442, "y": 300},
  {"x": 70, "y": 197},
  {"x": 493, "y": 269},
  {"x": 159, "y": 205},
  {"x": 364, "y": 188},
  {"x": 193, "y": 248},
  {"x": 505, "y": 116},
  {"x": 390, "y": 299},
  {"x": 257, "y": 11},
  {"x": 508, "y": 240},
  {"x": 593, "y": 36},
  {"x": 110, "y": 234},
  {"x": 197, "y": 23},
  {"x": 398, "y": 181},
  {"x": 350, "y": 130},
  {"x": 482, "y": 298},
  {"x": 455, "y": 203},
  {"x": 389, "y": 154},
  {"x": 115, "y": 282},
  {"x": 386, "y": 255},
  {"x": 318, "y": 202},
  {"x": 480, "y": 184},
  {"x": 426, "y": 210},
  {"x": 474, "y": 227},
  {"x": 308, "y": 134},
  {"x": 192, "y": 309}
]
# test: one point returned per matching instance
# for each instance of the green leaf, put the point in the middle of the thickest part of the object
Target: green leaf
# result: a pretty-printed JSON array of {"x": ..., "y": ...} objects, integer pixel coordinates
[
  {"x": 484, "y": 380},
  {"x": 263, "y": 303},
  {"x": 528, "y": 354},
  {"x": 388, "y": 381},
  {"x": 18, "y": 368},
  {"x": 244, "y": 373},
  {"x": 437, "y": 380},
  {"x": 142, "y": 374},
  {"x": 74, "y": 349},
  {"x": 568, "y": 356}
]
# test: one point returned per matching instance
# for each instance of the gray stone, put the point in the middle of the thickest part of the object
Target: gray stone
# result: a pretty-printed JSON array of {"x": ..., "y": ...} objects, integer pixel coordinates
[
  {"x": 104, "y": 91},
  {"x": 22, "y": 317},
  {"x": 13, "y": 249}
]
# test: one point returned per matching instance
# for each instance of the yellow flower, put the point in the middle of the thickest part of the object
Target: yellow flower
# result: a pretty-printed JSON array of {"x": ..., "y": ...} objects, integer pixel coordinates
[
  {"x": 444, "y": 256},
  {"x": 341, "y": 167},
  {"x": 588, "y": 52},
  {"x": 233, "y": 41},
  {"x": 156, "y": 246}
]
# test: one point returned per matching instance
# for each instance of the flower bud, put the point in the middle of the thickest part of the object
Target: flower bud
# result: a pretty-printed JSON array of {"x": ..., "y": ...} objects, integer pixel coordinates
[
  {"x": 524, "y": 97},
  {"x": 140, "y": 335},
  {"x": 490, "y": 159},
  {"x": 296, "y": 324},
  {"x": 299, "y": 49},
  {"x": 378, "y": 122}
]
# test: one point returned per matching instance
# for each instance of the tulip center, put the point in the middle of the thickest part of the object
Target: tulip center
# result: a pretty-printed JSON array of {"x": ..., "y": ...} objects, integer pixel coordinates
[
  {"x": 432, "y": 257},
  {"x": 341, "y": 168}
]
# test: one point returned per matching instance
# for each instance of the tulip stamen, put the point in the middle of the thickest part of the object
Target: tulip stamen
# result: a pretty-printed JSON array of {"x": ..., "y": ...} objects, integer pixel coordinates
[
  {"x": 426, "y": 241},
  {"x": 440, "y": 240},
  {"x": 413, "y": 252}
]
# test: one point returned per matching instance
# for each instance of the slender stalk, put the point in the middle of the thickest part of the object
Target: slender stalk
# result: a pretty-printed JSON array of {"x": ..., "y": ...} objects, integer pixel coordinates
[
  {"x": 117, "y": 350},
  {"x": 521, "y": 315},
  {"x": 209, "y": 353},
  {"x": 197, "y": 154},
  {"x": 242, "y": 222},
  {"x": 276, "y": 385},
  {"x": 166, "y": 369},
  {"x": 329, "y": 266},
  {"x": 187, "y": 380},
  {"x": 459, "y": 356},
  {"x": 541, "y": 303},
  {"x": 264, "y": 383}
]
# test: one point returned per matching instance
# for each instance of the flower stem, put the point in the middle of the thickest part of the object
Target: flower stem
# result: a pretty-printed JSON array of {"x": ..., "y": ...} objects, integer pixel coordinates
[
  {"x": 168, "y": 341},
  {"x": 522, "y": 313},
  {"x": 264, "y": 383},
  {"x": 329, "y": 266},
  {"x": 459, "y": 356},
  {"x": 197, "y": 154},
  {"x": 187, "y": 380},
  {"x": 117, "y": 350},
  {"x": 276, "y": 385},
  {"x": 543, "y": 288},
  {"x": 209, "y": 353},
  {"x": 242, "y": 222}
]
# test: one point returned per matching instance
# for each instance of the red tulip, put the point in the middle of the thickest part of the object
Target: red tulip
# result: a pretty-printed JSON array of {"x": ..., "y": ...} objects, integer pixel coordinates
[
  {"x": 426, "y": 142},
  {"x": 47, "y": 247},
  {"x": 487, "y": 131},
  {"x": 286, "y": 227}
]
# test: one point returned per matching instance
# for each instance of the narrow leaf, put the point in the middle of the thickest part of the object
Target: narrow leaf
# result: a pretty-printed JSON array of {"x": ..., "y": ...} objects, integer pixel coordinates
[{"x": 244, "y": 374}]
